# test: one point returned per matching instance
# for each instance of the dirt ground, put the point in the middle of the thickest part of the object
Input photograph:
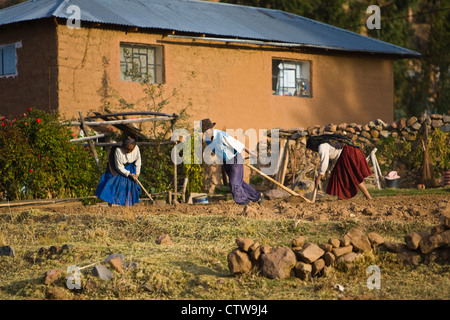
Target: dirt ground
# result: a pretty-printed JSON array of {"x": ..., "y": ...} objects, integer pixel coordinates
[{"x": 403, "y": 208}]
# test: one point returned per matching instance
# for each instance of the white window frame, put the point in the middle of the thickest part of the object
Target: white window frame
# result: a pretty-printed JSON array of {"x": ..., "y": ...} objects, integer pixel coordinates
[
  {"x": 8, "y": 59},
  {"x": 291, "y": 77},
  {"x": 146, "y": 57}
]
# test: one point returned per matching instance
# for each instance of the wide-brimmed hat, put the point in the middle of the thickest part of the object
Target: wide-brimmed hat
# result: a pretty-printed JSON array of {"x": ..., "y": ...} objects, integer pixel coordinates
[
  {"x": 207, "y": 124},
  {"x": 392, "y": 175}
]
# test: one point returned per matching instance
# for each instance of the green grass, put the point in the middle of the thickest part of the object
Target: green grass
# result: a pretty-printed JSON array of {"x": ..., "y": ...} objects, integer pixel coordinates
[
  {"x": 395, "y": 192},
  {"x": 195, "y": 266}
]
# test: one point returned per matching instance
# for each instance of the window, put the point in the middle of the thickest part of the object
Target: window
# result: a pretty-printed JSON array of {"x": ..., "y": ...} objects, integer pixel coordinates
[
  {"x": 141, "y": 63},
  {"x": 291, "y": 78},
  {"x": 8, "y": 60}
]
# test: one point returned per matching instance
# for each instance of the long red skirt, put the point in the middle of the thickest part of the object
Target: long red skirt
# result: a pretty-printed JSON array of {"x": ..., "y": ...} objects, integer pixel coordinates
[{"x": 349, "y": 171}]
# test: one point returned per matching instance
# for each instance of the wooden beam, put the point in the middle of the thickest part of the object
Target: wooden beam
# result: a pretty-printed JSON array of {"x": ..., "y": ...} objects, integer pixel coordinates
[
  {"x": 91, "y": 143},
  {"x": 102, "y": 123},
  {"x": 134, "y": 113},
  {"x": 88, "y": 138}
]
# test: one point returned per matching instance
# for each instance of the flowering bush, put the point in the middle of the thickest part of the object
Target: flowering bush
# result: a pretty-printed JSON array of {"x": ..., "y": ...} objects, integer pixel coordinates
[{"x": 38, "y": 161}]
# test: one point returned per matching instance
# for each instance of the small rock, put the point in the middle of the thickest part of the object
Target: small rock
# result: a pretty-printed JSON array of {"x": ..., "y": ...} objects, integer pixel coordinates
[
  {"x": 438, "y": 229},
  {"x": 348, "y": 257},
  {"x": 326, "y": 247},
  {"x": 345, "y": 241},
  {"x": 276, "y": 194},
  {"x": 116, "y": 264},
  {"x": 115, "y": 255},
  {"x": 164, "y": 239},
  {"x": 437, "y": 123},
  {"x": 412, "y": 240},
  {"x": 102, "y": 272},
  {"x": 66, "y": 247},
  {"x": 7, "y": 251},
  {"x": 302, "y": 270},
  {"x": 359, "y": 240},
  {"x": 52, "y": 275},
  {"x": 435, "y": 241},
  {"x": 409, "y": 258},
  {"x": 255, "y": 246},
  {"x": 55, "y": 250},
  {"x": 342, "y": 250},
  {"x": 239, "y": 262},
  {"x": 244, "y": 243},
  {"x": 317, "y": 266},
  {"x": 310, "y": 253},
  {"x": 375, "y": 239},
  {"x": 266, "y": 249},
  {"x": 298, "y": 242},
  {"x": 411, "y": 121},
  {"x": 254, "y": 256},
  {"x": 329, "y": 259},
  {"x": 394, "y": 247},
  {"x": 335, "y": 243}
]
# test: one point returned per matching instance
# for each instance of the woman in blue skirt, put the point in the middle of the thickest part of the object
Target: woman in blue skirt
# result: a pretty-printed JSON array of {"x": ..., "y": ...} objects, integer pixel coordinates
[{"x": 118, "y": 185}]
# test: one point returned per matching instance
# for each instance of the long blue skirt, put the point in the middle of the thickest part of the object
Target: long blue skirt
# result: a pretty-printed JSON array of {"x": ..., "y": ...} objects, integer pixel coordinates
[{"x": 119, "y": 189}]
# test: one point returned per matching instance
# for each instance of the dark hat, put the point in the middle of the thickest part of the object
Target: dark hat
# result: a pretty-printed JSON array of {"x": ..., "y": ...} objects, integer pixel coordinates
[
  {"x": 126, "y": 142},
  {"x": 207, "y": 124}
]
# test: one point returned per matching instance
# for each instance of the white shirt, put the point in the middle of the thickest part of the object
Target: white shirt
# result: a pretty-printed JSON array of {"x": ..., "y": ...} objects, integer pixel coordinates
[
  {"x": 327, "y": 152},
  {"x": 122, "y": 158},
  {"x": 225, "y": 145}
]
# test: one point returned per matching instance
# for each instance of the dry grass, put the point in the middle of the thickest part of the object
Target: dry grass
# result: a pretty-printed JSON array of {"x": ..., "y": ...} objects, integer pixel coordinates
[{"x": 195, "y": 266}]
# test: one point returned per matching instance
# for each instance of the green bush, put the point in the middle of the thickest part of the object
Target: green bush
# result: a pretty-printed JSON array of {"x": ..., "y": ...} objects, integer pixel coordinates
[
  {"x": 395, "y": 153},
  {"x": 38, "y": 161}
]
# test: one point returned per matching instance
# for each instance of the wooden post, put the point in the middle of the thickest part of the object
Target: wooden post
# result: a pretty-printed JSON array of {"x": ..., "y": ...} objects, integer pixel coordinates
[
  {"x": 91, "y": 143},
  {"x": 285, "y": 161},
  {"x": 175, "y": 175}
]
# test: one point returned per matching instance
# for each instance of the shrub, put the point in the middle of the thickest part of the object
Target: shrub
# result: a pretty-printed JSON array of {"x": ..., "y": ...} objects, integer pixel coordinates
[
  {"x": 38, "y": 161},
  {"x": 396, "y": 153}
]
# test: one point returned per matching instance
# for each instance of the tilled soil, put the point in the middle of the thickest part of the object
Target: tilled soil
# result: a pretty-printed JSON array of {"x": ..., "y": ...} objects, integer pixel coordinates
[{"x": 405, "y": 208}]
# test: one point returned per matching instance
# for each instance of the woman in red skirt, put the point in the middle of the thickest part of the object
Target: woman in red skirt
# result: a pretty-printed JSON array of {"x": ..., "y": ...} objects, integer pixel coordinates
[{"x": 347, "y": 176}]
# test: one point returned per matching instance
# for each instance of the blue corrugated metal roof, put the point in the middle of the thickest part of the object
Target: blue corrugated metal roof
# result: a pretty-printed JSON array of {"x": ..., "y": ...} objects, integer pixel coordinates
[{"x": 203, "y": 17}]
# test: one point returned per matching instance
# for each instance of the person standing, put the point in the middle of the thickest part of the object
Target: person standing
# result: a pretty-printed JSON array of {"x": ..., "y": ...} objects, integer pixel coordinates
[
  {"x": 351, "y": 167},
  {"x": 118, "y": 185},
  {"x": 229, "y": 150}
]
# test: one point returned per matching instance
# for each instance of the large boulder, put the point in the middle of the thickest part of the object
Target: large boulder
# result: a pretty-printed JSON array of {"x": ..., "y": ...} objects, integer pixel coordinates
[{"x": 278, "y": 263}]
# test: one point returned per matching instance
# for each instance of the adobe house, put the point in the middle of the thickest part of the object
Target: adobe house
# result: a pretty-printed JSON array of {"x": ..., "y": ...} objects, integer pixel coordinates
[{"x": 252, "y": 67}]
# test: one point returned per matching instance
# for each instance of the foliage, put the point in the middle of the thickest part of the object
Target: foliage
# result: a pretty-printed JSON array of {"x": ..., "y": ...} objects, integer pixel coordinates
[
  {"x": 395, "y": 153},
  {"x": 157, "y": 166},
  {"x": 38, "y": 161}
]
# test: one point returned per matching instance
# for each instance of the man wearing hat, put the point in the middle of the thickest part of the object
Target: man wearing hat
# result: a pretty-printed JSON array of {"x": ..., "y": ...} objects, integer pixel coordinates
[{"x": 229, "y": 149}]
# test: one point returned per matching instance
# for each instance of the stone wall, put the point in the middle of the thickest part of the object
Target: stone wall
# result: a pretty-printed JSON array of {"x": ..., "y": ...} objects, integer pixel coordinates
[{"x": 302, "y": 162}]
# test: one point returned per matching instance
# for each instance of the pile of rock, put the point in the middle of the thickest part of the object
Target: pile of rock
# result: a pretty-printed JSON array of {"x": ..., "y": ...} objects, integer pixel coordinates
[
  {"x": 408, "y": 128},
  {"x": 424, "y": 246},
  {"x": 303, "y": 259}
]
